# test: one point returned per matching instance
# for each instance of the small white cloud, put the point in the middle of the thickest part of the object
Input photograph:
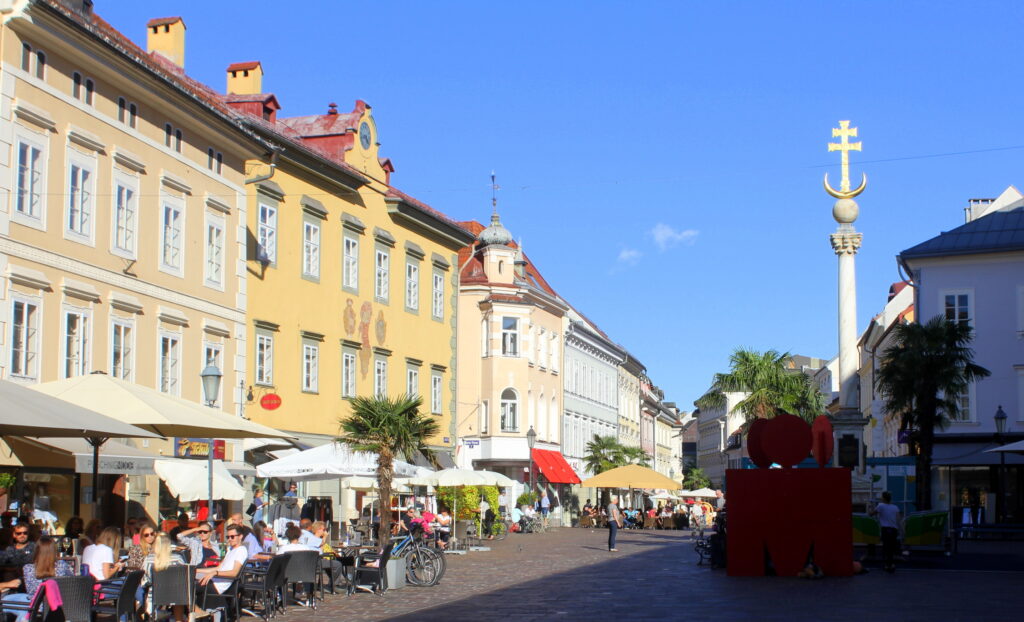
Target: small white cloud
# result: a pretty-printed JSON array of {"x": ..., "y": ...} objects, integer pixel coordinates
[
  {"x": 629, "y": 256},
  {"x": 665, "y": 236}
]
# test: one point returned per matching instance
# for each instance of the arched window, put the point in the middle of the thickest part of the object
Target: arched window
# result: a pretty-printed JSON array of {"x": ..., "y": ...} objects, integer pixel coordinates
[{"x": 509, "y": 411}]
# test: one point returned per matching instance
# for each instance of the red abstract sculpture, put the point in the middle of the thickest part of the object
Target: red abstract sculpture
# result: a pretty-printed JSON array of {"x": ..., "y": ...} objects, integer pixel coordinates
[{"x": 785, "y": 515}]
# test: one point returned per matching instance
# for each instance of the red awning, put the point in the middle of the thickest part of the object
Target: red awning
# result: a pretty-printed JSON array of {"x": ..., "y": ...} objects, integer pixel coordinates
[{"x": 554, "y": 467}]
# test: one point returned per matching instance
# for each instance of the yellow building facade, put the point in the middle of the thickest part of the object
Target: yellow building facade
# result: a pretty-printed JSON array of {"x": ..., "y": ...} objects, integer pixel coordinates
[
  {"x": 123, "y": 210},
  {"x": 352, "y": 284}
]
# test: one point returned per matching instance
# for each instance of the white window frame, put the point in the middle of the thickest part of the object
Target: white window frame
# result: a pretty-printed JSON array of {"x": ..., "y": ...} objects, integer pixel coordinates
[
  {"x": 125, "y": 370},
  {"x": 172, "y": 204},
  {"x": 380, "y": 377},
  {"x": 310, "y": 366},
  {"x": 969, "y": 414},
  {"x": 412, "y": 285},
  {"x": 82, "y": 343},
  {"x": 484, "y": 417},
  {"x": 437, "y": 296},
  {"x": 36, "y": 180},
  {"x": 958, "y": 292},
  {"x": 266, "y": 233},
  {"x": 485, "y": 337},
  {"x": 213, "y": 256},
  {"x": 263, "y": 359},
  {"x": 510, "y": 337},
  {"x": 124, "y": 199},
  {"x": 310, "y": 249},
  {"x": 553, "y": 351},
  {"x": 436, "y": 390},
  {"x": 381, "y": 274},
  {"x": 412, "y": 381},
  {"x": 30, "y": 339},
  {"x": 350, "y": 263},
  {"x": 509, "y": 411},
  {"x": 348, "y": 373},
  {"x": 1020, "y": 320},
  {"x": 80, "y": 197},
  {"x": 171, "y": 383}
]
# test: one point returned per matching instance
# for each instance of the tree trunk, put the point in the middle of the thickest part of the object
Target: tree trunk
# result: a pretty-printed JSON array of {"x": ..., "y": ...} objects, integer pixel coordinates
[
  {"x": 924, "y": 461},
  {"x": 385, "y": 472}
]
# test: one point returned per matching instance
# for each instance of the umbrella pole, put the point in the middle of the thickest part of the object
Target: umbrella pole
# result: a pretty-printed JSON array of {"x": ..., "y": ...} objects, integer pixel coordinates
[
  {"x": 209, "y": 482},
  {"x": 96, "y": 441}
]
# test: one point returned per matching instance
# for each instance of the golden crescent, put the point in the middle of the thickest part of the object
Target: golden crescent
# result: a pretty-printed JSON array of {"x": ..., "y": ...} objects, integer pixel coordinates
[{"x": 839, "y": 194}]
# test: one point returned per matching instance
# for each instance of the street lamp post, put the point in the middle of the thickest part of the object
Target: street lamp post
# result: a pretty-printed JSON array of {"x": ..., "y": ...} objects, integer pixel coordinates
[
  {"x": 211, "y": 388},
  {"x": 531, "y": 440},
  {"x": 1000, "y": 419}
]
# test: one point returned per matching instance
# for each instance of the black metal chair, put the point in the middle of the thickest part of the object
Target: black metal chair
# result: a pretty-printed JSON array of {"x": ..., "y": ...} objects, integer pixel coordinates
[
  {"x": 373, "y": 578},
  {"x": 174, "y": 585},
  {"x": 264, "y": 586},
  {"x": 118, "y": 600},
  {"x": 228, "y": 599},
  {"x": 304, "y": 569}
]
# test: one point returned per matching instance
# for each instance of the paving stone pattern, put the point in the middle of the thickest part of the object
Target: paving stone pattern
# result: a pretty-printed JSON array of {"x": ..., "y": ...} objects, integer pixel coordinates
[{"x": 568, "y": 574}]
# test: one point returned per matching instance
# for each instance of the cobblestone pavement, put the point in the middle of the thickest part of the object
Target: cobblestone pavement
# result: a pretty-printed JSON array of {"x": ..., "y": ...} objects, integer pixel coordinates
[{"x": 569, "y": 574}]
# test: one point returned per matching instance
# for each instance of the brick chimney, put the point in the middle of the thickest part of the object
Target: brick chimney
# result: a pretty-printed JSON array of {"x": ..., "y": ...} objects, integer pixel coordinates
[
  {"x": 166, "y": 36},
  {"x": 245, "y": 78}
]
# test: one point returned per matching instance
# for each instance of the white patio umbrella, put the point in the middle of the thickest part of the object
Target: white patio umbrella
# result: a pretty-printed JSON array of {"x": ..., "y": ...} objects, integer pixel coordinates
[
  {"x": 496, "y": 479},
  {"x": 701, "y": 492},
  {"x": 452, "y": 478},
  {"x": 328, "y": 461},
  {"x": 1012, "y": 448},
  {"x": 188, "y": 480}
]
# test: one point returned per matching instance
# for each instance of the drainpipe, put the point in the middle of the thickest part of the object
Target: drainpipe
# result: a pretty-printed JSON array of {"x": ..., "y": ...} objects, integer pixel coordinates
[{"x": 273, "y": 167}]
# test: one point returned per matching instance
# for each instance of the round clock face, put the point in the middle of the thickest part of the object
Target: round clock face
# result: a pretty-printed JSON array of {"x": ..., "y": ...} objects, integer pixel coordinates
[{"x": 364, "y": 135}]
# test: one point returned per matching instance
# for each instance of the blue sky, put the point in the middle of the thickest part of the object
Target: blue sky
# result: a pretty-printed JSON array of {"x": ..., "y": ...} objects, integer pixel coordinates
[{"x": 661, "y": 161}]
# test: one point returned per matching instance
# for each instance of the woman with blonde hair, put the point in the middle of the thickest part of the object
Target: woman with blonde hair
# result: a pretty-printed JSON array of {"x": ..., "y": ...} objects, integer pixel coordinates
[
  {"x": 160, "y": 557},
  {"x": 137, "y": 552},
  {"x": 100, "y": 557}
]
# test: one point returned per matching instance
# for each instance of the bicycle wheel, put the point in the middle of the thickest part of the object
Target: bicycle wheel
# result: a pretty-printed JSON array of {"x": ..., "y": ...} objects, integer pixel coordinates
[
  {"x": 500, "y": 529},
  {"x": 420, "y": 569}
]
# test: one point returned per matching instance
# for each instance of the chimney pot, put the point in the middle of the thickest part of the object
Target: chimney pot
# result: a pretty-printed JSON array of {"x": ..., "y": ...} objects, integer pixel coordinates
[{"x": 332, "y": 108}]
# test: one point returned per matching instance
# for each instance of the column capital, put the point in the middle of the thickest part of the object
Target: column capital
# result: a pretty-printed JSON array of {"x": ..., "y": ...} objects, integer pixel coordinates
[{"x": 845, "y": 242}]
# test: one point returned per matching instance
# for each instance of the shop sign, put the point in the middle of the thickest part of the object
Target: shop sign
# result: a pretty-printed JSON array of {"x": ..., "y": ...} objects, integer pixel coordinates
[
  {"x": 115, "y": 465},
  {"x": 197, "y": 448},
  {"x": 472, "y": 442},
  {"x": 270, "y": 401}
]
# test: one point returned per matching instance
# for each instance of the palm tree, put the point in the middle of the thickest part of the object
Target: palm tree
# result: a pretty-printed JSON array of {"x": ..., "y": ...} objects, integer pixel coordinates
[
  {"x": 696, "y": 479},
  {"x": 388, "y": 427},
  {"x": 604, "y": 453},
  {"x": 634, "y": 455},
  {"x": 922, "y": 378},
  {"x": 771, "y": 385}
]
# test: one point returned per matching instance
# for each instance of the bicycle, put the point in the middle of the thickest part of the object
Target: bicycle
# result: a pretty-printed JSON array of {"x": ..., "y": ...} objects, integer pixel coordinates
[
  {"x": 424, "y": 566},
  {"x": 702, "y": 546}
]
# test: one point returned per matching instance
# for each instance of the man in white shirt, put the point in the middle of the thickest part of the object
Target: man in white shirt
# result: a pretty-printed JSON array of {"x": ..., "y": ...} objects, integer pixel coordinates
[
  {"x": 254, "y": 546},
  {"x": 230, "y": 566},
  {"x": 308, "y": 538}
]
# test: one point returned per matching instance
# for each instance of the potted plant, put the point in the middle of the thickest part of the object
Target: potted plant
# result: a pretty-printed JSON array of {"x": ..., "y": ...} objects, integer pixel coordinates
[{"x": 7, "y": 481}]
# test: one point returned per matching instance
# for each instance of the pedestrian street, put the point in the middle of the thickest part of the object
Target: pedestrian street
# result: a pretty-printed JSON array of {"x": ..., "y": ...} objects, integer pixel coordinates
[{"x": 568, "y": 574}]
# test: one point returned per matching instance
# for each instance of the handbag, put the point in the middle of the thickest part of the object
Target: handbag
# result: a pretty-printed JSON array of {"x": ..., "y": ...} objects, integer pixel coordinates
[{"x": 251, "y": 510}]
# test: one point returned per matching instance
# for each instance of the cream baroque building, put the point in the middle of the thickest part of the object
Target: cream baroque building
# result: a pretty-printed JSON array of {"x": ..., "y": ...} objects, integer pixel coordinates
[
  {"x": 509, "y": 353},
  {"x": 629, "y": 374},
  {"x": 122, "y": 219}
]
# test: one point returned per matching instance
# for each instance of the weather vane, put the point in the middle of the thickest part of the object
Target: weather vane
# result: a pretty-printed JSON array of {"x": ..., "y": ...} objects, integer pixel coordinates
[
  {"x": 494, "y": 191},
  {"x": 844, "y": 132}
]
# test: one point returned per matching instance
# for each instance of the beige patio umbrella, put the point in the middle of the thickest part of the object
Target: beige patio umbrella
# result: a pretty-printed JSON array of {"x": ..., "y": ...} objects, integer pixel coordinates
[{"x": 631, "y": 476}]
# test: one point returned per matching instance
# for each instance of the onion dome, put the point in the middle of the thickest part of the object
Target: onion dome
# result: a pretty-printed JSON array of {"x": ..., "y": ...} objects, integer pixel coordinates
[{"x": 495, "y": 234}]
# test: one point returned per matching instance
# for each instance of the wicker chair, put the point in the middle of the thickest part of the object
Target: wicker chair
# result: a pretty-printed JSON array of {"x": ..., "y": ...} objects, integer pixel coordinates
[
  {"x": 304, "y": 569},
  {"x": 265, "y": 586},
  {"x": 76, "y": 593},
  {"x": 174, "y": 585},
  {"x": 373, "y": 578},
  {"x": 118, "y": 600}
]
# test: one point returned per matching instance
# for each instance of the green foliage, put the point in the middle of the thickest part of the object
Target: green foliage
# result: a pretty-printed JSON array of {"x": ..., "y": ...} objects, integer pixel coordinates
[
  {"x": 771, "y": 383},
  {"x": 388, "y": 427},
  {"x": 696, "y": 478},
  {"x": 527, "y": 498},
  {"x": 464, "y": 499},
  {"x": 604, "y": 453},
  {"x": 7, "y": 480},
  {"x": 922, "y": 376}
]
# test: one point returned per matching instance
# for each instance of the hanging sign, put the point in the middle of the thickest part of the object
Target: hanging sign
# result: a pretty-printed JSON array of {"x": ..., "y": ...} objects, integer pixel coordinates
[
  {"x": 270, "y": 401},
  {"x": 197, "y": 448}
]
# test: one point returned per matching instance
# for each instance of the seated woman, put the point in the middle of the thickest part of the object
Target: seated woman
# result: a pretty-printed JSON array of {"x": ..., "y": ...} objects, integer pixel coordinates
[
  {"x": 444, "y": 528},
  {"x": 100, "y": 557},
  {"x": 160, "y": 557},
  {"x": 44, "y": 565},
  {"x": 137, "y": 553},
  {"x": 293, "y": 534}
]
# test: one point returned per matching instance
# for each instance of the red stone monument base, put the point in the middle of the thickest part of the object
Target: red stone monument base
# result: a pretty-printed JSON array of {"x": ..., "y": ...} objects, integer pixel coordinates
[{"x": 786, "y": 512}]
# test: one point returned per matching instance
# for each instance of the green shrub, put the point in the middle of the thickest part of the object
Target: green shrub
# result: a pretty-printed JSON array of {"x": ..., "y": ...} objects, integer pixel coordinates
[
  {"x": 7, "y": 480},
  {"x": 527, "y": 498}
]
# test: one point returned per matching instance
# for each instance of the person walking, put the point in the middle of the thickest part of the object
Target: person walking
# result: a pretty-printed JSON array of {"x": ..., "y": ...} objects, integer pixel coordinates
[
  {"x": 889, "y": 520},
  {"x": 614, "y": 522}
]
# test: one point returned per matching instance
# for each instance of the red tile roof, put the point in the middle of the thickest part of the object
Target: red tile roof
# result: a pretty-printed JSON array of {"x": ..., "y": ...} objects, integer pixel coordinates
[
  {"x": 161, "y": 21},
  {"x": 252, "y": 64}
]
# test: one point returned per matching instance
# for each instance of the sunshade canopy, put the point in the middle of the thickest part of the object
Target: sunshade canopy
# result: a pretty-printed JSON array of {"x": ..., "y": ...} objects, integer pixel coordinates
[
  {"x": 554, "y": 467},
  {"x": 1012, "y": 448},
  {"x": 497, "y": 479},
  {"x": 76, "y": 453},
  {"x": 188, "y": 480},
  {"x": 451, "y": 478},
  {"x": 702, "y": 492},
  {"x": 30, "y": 413},
  {"x": 631, "y": 476},
  {"x": 328, "y": 461},
  {"x": 152, "y": 410}
]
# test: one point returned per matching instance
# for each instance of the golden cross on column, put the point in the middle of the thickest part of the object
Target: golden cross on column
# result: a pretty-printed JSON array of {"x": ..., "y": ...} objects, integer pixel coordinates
[{"x": 844, "y": 132}]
